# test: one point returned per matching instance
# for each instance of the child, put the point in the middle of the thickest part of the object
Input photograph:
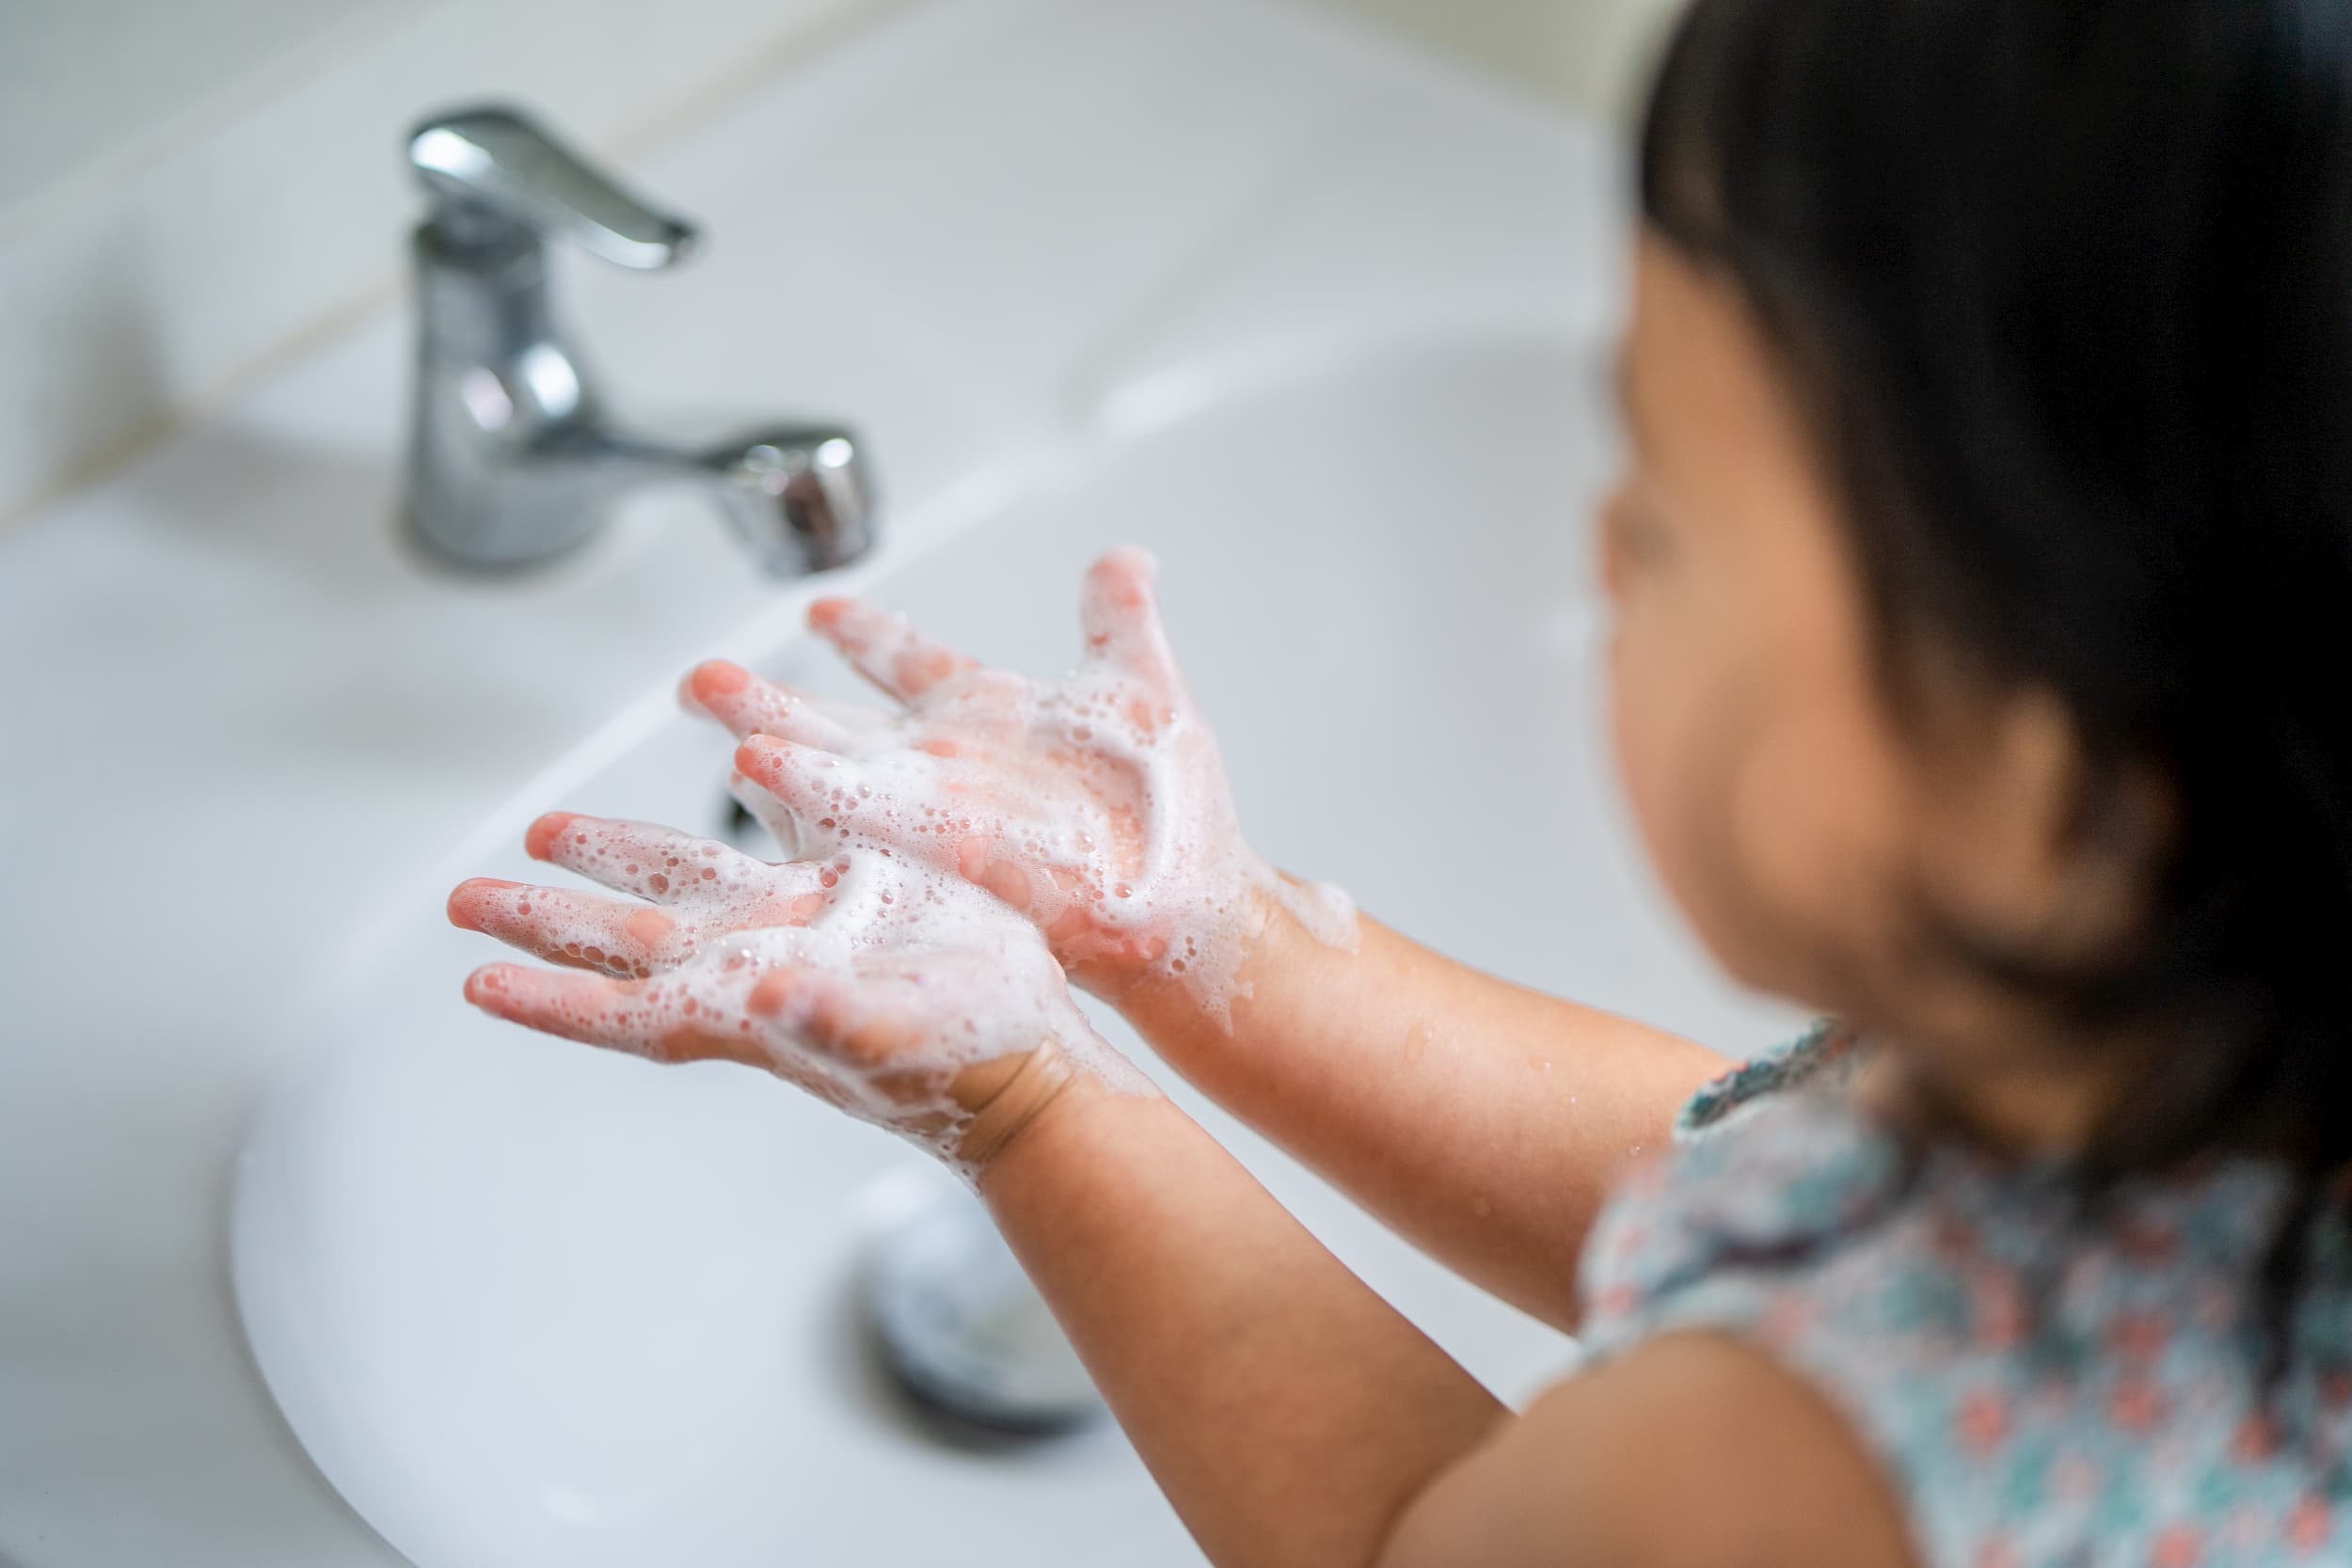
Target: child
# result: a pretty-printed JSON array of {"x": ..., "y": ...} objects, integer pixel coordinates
[{"x": 1982, "y": 579}]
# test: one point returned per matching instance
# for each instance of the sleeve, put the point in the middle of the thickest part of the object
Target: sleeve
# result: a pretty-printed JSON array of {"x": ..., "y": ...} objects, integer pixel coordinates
[
  {"x": 1783, "y": 1217},
  {"x": 1823, "y": 1058}
]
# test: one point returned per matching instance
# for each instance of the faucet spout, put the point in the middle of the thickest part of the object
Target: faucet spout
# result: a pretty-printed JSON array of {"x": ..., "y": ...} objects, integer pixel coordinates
[
  {"x": 797, "y": 496},
  {"x": 512, "y": 459}
]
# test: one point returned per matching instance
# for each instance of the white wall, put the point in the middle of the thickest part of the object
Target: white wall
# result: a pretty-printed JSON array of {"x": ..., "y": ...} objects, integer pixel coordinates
[
  {"x": 85, "y": 84},
  {"x": 1587, "y": 55},
  {"x": 165, "y": 243},
  {"x": 191, "y": 188}
]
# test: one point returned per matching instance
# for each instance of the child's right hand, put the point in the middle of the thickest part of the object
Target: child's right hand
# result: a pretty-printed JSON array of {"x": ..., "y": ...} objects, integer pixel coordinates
[
  {"x": 915, "y": 1003},
  {"x": 1095, "y": 804}
]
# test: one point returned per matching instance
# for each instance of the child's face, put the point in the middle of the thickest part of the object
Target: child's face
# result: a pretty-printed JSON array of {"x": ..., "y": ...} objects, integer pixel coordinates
[{"x": 1788, "y": 813}]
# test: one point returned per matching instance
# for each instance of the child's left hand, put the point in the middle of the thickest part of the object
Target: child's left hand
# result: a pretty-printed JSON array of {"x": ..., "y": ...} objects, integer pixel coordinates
[
  {"x": 909, "y": 1000},
  {"x": 1094, "y": 803}
]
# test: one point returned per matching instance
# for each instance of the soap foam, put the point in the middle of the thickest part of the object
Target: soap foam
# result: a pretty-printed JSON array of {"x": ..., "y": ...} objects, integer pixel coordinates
[
  {"x": 900, "y": 941},
  {"x": 867, "y": 979},
  {"x": 1096, "y": 803}
]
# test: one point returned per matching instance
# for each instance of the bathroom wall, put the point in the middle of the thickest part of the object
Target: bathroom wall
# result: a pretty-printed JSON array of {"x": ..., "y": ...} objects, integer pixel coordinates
[
  {"x": 1587, "y": 55},
  {"x": 191, "y": 192}
]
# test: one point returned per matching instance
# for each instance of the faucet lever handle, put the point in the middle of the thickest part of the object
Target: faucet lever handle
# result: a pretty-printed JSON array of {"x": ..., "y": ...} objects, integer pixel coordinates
[{"x": 491, "y": 172}]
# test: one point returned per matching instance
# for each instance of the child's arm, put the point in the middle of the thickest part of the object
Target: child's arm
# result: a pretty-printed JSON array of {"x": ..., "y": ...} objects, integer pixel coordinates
[
  {"x": 1287, "y": 1411},
  {"x": 1294, "y": 1418},
  {"x": 1478, "y": 1118},
  {"x": 1483, "y": 1121},
  {"x": 1291, "y": 1417}
]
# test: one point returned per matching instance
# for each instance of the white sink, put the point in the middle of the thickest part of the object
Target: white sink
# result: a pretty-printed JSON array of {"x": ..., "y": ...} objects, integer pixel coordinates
[
  {"x": 528, "y": 1304},
  {"x": 1312, "y": 315}
]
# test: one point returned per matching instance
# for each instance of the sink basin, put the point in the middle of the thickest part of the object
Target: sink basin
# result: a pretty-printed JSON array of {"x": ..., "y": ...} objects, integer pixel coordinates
[{"x": 529, "y": 1304}]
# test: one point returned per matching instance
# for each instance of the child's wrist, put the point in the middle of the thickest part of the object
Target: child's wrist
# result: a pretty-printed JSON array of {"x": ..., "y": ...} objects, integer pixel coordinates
[
  {"x": 1005, "y": 1097},
  {"x": 1181, "y": 1016}
]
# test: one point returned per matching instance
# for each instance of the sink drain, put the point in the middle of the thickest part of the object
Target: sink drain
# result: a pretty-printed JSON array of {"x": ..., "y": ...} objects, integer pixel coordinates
[{"x": 963, "y": 1332}]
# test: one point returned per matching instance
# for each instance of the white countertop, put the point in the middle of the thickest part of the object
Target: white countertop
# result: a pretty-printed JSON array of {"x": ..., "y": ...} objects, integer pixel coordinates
[{"x": 238, "y": 715}]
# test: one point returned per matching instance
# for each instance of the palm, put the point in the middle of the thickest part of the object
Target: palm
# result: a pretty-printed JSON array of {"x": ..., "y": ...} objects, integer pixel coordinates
[
  {"x": 1094, "y": 804},
  {"x": 870, "y": 984}
]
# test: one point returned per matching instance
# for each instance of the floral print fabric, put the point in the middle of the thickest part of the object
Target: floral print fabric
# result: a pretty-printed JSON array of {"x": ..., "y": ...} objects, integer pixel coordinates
[{"x": 2048, "y": 1385}]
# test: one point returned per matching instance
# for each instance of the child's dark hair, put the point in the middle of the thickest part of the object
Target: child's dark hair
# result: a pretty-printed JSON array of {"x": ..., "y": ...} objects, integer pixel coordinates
[{"x": 2065, "y": 287}]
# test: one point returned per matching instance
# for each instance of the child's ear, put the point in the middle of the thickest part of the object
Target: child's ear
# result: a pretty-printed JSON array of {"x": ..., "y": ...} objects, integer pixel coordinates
[{"x": 2086, "y": 837}]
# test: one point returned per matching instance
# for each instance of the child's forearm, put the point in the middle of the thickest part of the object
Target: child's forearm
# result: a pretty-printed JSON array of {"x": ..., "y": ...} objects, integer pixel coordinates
[
  {"x": 1289, "y": 1414},
  {"x": 1481, "y": 1120}
]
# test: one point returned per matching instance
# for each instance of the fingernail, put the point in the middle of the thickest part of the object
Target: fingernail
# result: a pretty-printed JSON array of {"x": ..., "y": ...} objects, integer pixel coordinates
[
  {"x": 461, "y": 913},
  {"x": 763, "y": 756},
  {"x": 717, "y": 678},
  {"x": 485, "y": 984},
  {"x": 540, "y": 837}
]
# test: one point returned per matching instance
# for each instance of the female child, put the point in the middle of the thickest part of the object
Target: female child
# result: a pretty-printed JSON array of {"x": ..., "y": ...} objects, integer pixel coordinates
[{"x": 1982, "y": 581}]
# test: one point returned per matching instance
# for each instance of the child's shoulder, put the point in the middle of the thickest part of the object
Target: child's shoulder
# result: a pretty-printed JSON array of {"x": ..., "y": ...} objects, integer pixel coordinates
[
  {"x": 1772, "y": 1163},
  {"x": 2020, "y": 1366}
]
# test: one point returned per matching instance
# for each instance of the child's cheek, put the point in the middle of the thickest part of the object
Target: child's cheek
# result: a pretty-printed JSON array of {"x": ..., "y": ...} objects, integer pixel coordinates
[{"x": 1644, "y": 704}]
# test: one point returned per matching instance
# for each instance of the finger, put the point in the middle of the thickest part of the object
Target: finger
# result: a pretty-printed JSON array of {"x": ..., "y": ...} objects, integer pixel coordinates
[
  {"x": 885, "y": 649},
  {"x": 645, "y": 1019},
  {"x": 655, "y": 863},
  {"x": 1066, "y": 906},
  {"x": 845, "y": 1043},
  {"x": 846, "y": 1022},
  {"x": 579, "y": 929},
  {"x": 823, "y": 795},
  {"x": 985, "y": 862},
  {"x": 748, "y": 706},
  {"x": 1120, "y": 612},
  {"x": 842, "y": 1030}
]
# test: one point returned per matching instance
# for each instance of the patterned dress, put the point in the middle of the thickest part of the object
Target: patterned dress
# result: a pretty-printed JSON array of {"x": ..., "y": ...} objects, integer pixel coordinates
[{"x": 2044, "y": 1388}]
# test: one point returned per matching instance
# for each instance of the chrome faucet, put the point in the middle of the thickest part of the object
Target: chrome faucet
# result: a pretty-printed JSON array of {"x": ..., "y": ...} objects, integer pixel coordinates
[{"x": 511, "y": 456}]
